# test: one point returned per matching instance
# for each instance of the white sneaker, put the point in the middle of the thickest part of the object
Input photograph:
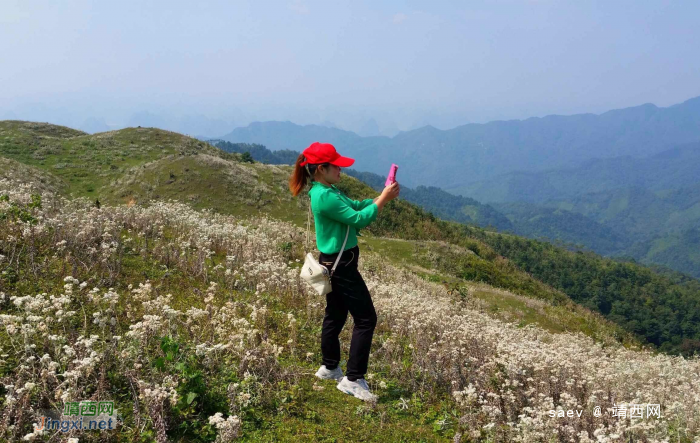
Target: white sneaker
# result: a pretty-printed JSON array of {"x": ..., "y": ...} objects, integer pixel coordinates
[
  {"x": 327, "y": 374},
  {"x": 358, "y": 388}
]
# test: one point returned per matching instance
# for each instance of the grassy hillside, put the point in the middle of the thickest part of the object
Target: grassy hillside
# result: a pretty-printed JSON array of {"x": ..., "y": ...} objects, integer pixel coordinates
[
  {"x": 197, "y": 326},
  {"x": 178, "y": 297},
  {"x": 166, "y": 165},
  {"x": 90, "y": 163},
  {"x": 207, "y": 178},
  {"x": 20, "y": 173}
]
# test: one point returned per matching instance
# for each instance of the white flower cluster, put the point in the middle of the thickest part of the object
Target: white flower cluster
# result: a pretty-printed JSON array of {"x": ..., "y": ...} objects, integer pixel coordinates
[
  {"x": 228, "y": 429},
  {"x": 156, "y": 393}
]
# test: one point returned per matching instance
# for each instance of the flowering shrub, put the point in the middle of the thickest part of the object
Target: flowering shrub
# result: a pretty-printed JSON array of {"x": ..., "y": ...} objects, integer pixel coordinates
[{"x": 194, "y": 321}]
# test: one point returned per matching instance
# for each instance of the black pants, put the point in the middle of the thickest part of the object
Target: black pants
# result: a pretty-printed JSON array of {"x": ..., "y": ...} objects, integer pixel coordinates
[{"x": 349, "y": 293}]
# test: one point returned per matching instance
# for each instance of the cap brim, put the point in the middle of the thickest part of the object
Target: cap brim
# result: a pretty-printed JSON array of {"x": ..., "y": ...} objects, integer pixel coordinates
[{"x": 343, "y": 162}]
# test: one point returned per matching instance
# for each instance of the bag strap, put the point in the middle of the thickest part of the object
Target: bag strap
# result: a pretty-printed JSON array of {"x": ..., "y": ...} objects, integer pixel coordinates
[
  {"x": 341, "y": 251},
  {"x": 308, "y": 228}
]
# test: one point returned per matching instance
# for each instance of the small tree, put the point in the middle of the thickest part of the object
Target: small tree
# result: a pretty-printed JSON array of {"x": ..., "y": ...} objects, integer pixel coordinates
[{"x": 247, "y": 158}]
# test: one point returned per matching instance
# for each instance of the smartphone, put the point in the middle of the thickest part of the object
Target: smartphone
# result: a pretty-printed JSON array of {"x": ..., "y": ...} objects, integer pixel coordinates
[{"x": 392, "y": 174}]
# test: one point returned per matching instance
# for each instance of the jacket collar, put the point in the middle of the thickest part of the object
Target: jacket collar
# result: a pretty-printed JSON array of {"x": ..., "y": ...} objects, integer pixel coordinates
[{"x": 314, "y": 183}]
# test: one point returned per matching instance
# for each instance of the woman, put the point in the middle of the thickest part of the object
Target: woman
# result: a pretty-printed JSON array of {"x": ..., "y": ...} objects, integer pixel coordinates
[{"x": 333, "y": 212}]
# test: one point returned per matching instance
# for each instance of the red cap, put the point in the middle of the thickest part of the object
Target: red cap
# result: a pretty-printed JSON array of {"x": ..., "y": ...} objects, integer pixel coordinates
[{"x": 325, "y": 153}]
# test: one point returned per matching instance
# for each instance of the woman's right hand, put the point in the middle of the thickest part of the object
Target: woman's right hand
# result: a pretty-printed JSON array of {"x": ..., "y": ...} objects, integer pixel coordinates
[{"x": 392, "y": 191}]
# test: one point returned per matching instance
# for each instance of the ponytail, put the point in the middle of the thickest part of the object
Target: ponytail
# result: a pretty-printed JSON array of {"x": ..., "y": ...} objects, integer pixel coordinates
[{"x": 302, "y": 175}]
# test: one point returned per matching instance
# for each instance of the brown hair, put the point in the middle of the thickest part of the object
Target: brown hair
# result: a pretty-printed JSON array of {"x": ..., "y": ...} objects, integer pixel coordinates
[{"x": 302, "y": 175}]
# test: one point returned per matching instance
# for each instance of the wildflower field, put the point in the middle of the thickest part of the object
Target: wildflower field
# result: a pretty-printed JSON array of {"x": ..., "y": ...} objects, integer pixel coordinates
[{"x": 198, "y": 327}]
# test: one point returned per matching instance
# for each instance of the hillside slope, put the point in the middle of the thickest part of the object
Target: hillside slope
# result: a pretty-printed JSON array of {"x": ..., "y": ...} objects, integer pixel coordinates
[
  {"x": 207, "y": 178},
  {"x": 88, "y": 163},
  {"x": 173, "y": 166},
  {"x": 197, "y": 326}
]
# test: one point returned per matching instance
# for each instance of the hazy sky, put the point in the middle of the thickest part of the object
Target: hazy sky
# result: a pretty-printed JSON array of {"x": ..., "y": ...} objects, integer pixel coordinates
[{"x": 404, "y": 63}]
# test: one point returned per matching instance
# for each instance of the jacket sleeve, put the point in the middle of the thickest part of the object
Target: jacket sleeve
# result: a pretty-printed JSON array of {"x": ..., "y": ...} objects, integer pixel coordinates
[
  {"x": 359, "y": 205},
  {"x": 333, "y": 207}
]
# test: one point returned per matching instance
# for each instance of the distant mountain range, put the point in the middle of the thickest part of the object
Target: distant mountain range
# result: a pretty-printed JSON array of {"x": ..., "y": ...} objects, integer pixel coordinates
[
  {"x": 673, "y": 168},
  {"x": 453, "y": 159}
]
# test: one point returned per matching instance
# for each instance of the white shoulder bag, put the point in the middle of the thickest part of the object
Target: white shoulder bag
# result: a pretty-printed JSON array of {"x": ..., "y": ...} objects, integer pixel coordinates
[{"x": 315, "y": 273}]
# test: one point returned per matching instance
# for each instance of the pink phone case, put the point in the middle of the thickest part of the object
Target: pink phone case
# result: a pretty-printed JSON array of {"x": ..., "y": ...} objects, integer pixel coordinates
[{"x": 392, "y": 175}]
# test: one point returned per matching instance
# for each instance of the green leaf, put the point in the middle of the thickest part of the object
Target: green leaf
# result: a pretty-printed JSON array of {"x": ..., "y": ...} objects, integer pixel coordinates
[
  {"x": 190, "y": 397},
  {"x": 159, "y": 363}
]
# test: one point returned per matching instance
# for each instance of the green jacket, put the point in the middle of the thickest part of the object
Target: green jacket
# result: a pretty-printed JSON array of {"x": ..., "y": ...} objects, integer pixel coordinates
[{"x": 333, "y": 212}]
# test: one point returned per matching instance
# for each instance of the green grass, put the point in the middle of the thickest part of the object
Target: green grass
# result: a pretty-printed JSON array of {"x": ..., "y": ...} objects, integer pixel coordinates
[
  {"x": 518, "y": 309},
  {"x": 330, "y": 415}
]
